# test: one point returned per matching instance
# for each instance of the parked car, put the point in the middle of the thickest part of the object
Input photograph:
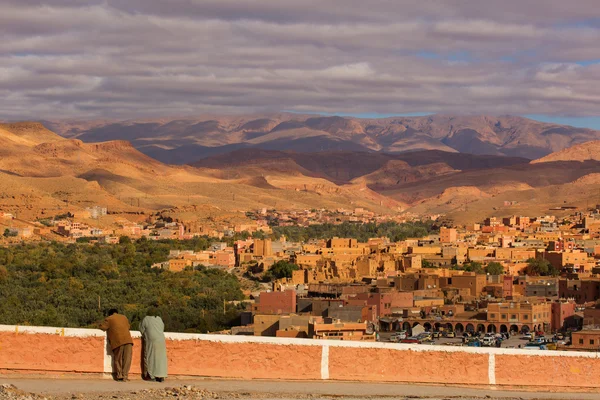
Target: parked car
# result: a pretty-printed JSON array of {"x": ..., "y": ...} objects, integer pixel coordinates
[
  {"x": 424, "y": 337},
  {"x": 436, "y": 335},
  {"x": 398, "y": 336},
  {"x": 488, "y": 341},
  {"x": 560, "y": 336},
  {"x": 534, "y": 346},
  {"x": 449, "y": 334},
  {"x": 527, "y": 336}
]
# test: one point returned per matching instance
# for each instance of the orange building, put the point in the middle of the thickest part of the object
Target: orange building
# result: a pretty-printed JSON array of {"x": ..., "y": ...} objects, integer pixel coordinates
[
  {"x": 448, "y": 235},
  {"x": 343, "y": 331},
  {"x": 524, "y": 315}
]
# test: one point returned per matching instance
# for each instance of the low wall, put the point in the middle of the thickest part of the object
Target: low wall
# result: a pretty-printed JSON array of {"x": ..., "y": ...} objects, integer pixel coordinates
[{"x": 58, "y": 350}]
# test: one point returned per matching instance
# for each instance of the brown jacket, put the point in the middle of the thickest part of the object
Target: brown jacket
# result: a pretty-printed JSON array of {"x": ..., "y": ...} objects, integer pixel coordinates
[{"x": 117, "y": 326}]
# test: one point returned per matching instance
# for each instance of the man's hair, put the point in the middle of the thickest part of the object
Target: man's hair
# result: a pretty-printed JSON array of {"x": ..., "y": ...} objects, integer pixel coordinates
[
  {"x": 153, "y": 311},
  {"x": 112, "y": 311}
]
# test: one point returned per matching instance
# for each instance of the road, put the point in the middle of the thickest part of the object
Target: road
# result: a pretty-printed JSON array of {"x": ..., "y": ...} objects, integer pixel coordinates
[
  {"x": 512, "y": 342},
  {"x": 103, "y": 388}
]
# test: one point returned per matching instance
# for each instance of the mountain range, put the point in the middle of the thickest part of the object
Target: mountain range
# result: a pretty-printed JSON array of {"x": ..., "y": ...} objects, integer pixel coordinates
[
  {"x": 187, "y": 140},
  {"x": 43, "y": 173}
]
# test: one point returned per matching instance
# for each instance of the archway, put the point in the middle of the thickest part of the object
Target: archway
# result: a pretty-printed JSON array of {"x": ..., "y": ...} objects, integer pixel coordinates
[
  {"x": 415, "y": 324},
  {"x": 525, "y": 328},
  {"x": 470, "y": 328},
  {"x": 427, "y": 326},
  {"x": 460, "y": 328},
  {"x": 491, "y": 328},
  {"x": 449, "y": 327},
  {"x": 437, "y": 326},
  {"x": 480, "y": 328},
  {"x": 406, "y": 326},
  {"x": 514, "y": 328},
  {"x": 503, "y": 328}
]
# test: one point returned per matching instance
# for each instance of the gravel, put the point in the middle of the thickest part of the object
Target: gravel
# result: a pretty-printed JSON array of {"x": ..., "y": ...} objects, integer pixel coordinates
[{"x": 10, "y": 392}]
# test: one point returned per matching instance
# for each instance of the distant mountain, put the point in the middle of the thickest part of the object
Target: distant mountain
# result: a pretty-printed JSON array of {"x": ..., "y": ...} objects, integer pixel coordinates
[
  {"x": 345, "y": 167},
  {"x": 182, "y": 141}
]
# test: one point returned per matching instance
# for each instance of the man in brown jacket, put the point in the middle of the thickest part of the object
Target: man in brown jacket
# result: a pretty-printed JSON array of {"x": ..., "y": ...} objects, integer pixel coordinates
[{"x": 117, "y": 327}]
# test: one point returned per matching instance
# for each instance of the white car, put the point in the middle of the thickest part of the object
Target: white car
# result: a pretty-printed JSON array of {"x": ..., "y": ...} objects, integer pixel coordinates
[
  {"x": 398, "y": 336},
  {"x": 527, "y": 336}
]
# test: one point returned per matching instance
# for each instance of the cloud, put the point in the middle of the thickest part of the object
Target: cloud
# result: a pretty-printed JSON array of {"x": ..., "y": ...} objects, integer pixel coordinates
[{"x": 125, "y": 59}]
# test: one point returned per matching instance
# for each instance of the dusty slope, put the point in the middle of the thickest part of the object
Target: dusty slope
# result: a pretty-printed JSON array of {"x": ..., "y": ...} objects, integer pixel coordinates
[
  {"x": 187, "y": 140},
  {"x": 44, "y": 174},
  {"x": 580, "y": 152}
]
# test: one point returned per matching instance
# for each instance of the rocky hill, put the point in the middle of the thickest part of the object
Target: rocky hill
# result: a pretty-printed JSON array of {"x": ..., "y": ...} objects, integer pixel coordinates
[
  {"x": 42, "y": 174},
  {"x": 181, "y": 141},
  {"x": 581, "y": 152}
]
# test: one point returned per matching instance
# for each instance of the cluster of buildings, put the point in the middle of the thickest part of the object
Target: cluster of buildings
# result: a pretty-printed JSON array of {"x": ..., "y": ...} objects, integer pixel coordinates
[
  {"x": 349, "y": 290},
  {"x": 318, "y": 217},
  {"x": 218, "y": 256}
]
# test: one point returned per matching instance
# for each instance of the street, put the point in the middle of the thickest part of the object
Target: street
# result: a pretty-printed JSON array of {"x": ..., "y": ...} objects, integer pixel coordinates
[{"x": 512, "y": 342}]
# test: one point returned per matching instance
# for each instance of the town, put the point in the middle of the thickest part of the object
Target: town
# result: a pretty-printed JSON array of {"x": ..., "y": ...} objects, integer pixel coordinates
[
  {"x": 524, "y": 282},
  {"x": 512, "y": 282}
]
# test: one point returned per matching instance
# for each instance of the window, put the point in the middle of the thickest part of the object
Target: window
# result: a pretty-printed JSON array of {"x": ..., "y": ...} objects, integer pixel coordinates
[
  {"x": 591, "y": 341},
  {"x": 525, "y": 317},
  {"x": 580, "y": 341},
  {"x": 513, "y": 316},
  {"x": 492, "y": 315},
  {"x": 503, "y": 316}
]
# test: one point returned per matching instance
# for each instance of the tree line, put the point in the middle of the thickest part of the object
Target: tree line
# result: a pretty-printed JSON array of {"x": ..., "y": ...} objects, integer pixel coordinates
[{"x": 73, "y": 285}]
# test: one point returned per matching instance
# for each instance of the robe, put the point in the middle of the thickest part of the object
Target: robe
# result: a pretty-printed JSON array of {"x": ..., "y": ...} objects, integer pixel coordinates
[{"x": 155, "y": 349}]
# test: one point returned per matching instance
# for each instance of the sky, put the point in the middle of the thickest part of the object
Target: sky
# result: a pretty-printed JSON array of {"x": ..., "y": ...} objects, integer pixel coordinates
[{"x": 126, "y": 59}]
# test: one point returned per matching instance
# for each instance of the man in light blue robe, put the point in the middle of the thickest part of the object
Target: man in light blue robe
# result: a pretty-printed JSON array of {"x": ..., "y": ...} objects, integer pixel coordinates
[{"x": 155, "y": 350}]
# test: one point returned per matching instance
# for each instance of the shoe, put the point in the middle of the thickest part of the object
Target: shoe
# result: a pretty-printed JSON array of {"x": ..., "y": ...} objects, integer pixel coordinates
[{"x": 160, "y": 379}]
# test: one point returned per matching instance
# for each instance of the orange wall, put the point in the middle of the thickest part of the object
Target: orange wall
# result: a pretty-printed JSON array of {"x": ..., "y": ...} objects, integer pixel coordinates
[
  {"x": 47, "y": 352},
  {"x": 58, "y": 351}
]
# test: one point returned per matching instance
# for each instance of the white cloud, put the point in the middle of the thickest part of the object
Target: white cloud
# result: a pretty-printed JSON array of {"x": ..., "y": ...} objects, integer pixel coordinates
[{"x": 108, "y": 58}]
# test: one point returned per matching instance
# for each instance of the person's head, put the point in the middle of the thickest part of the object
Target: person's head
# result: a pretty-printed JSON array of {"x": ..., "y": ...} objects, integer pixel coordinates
[
  {"x": 112, "y": 311},
  {"x": 153, "y": 311}
]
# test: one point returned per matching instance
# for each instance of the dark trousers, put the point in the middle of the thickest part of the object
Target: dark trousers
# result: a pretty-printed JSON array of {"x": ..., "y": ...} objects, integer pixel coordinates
[{"x": 122, "y": 355}]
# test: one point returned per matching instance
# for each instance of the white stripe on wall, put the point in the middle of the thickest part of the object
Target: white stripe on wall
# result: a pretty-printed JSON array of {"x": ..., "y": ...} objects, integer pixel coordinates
[
  {"x": 325, "y": 362},
  {"x": 492, "y": 368},
  {"x": 107, "y": 355}
]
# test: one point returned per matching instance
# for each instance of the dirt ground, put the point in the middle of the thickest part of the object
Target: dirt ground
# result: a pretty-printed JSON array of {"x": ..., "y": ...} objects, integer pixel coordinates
[{"x": 99, "y": 389}]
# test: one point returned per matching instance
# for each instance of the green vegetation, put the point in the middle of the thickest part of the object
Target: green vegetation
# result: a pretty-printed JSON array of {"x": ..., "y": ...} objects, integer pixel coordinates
[
  {"x": 73, "y": 285},
  {"x": 540, "y": 267},
  {"x": 495, "y": 268},
  {"x": 473, "y": 266},
  {"x": 427, "y": 264},
  {"x": 394, "y": 231},
  {"x": 9, "y": 233},
  {"x": 281, "y": 269}
]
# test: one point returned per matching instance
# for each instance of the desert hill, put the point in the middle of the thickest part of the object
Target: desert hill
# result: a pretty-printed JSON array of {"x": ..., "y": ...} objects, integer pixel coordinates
[
  {"x": 186, "y": 140},
  {"x": 466, "y": 187},
  {"x": 581, "y": 152},
  {"x": 42, "y": 173}
]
